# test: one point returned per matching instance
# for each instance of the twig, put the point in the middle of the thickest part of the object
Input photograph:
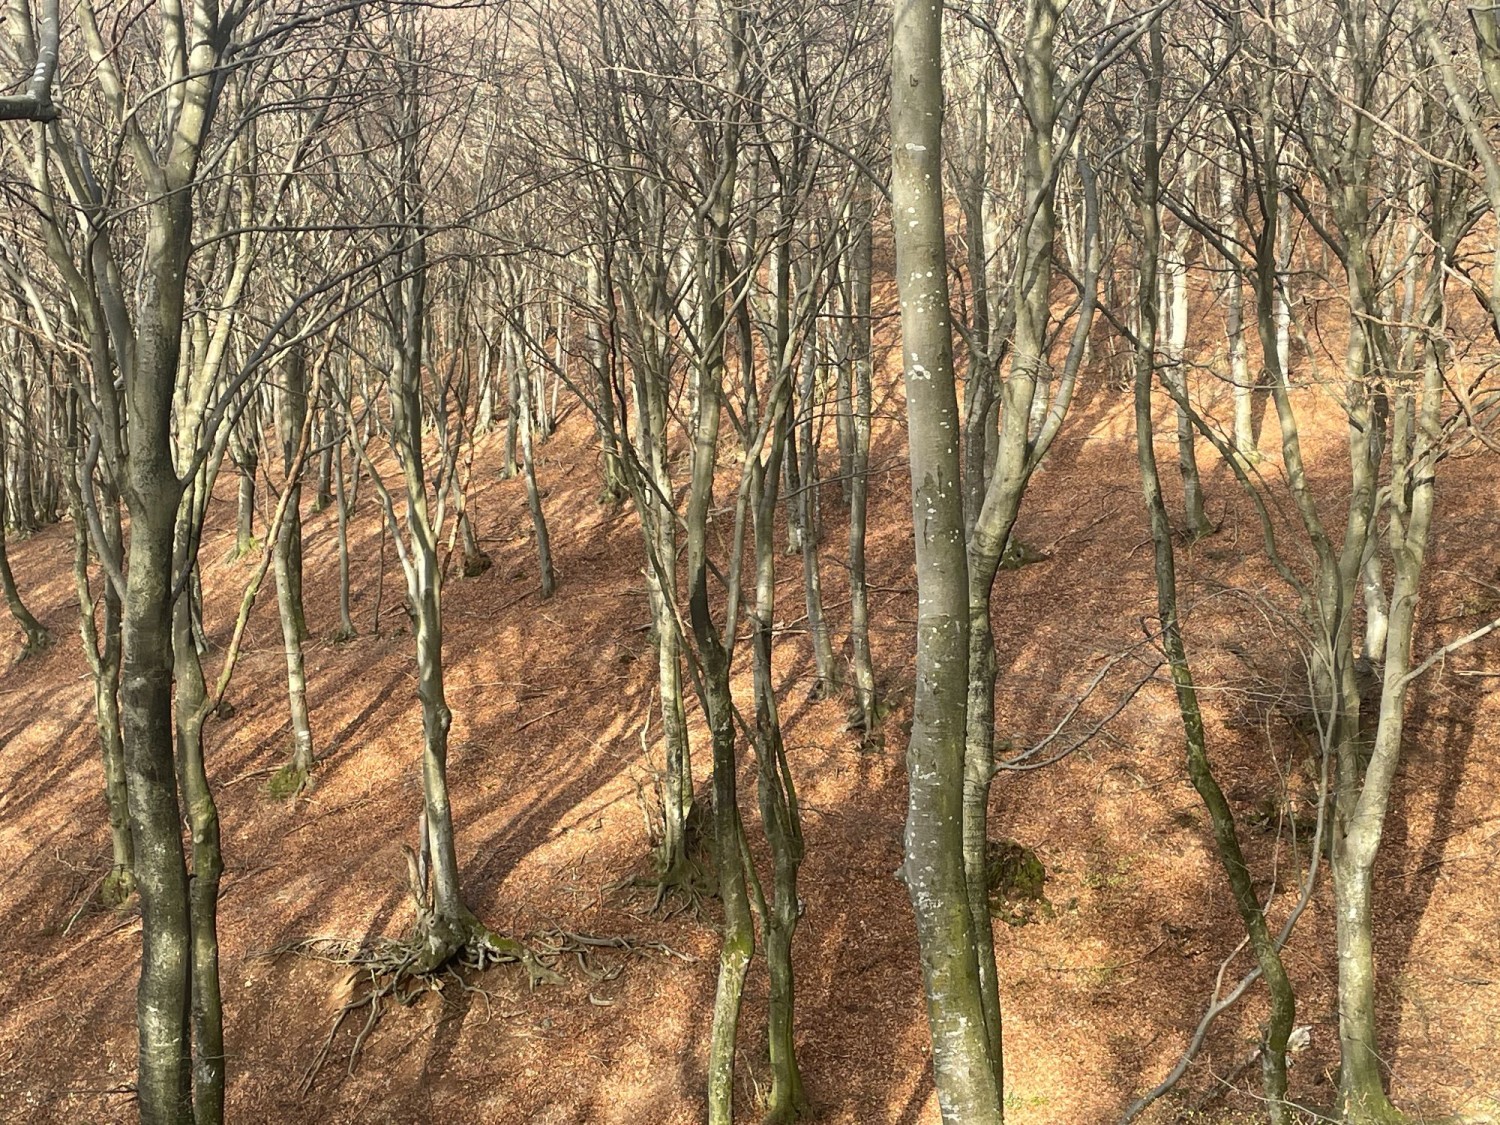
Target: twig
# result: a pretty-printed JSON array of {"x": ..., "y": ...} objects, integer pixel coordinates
[{"x": 539, "y": 718}]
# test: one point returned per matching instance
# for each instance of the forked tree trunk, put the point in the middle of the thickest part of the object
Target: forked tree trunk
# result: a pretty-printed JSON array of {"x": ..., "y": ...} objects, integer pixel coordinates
[
  {"x": 103, "y": 656},
  {"x": 713, "y": 284},
  {"x": 207, "y": 870}
]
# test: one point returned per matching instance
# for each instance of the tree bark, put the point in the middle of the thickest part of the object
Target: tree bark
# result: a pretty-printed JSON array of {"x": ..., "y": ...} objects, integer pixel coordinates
[{"x": 965, "y": 1067}]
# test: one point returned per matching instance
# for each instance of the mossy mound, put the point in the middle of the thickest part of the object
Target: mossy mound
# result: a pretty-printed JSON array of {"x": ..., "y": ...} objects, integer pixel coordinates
[
  {"x": 288, "y": 782},
  {"x": 1017, "y": 880}
]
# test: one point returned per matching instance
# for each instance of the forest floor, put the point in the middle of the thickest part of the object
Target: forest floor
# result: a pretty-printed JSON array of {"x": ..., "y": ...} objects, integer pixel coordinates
[{"x": 547, "y": 769}]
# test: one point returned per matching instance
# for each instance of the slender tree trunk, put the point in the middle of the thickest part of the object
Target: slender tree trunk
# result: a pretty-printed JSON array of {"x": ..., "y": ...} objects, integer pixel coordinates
[
  {"x": 713, "y": 284},
  {"x": 37, "y": 637},
  {"x": 1226, "y": 837},
  {"x": 965, "y": 1067},
  {"x": 513, "y": 419},
  {"x": 1174, "y": 281},
  {"x": 778, "y": 800},
  {"x": 861, "y": 664},
  {"x": 103, "y": 655},
  {"x": 208, "y": 868},
  {"x": 533, "y": 494},
  {"x": 346, "y": 630},
  {"x": 615, "y": 489},
  {"x": 293, "y": 777}
]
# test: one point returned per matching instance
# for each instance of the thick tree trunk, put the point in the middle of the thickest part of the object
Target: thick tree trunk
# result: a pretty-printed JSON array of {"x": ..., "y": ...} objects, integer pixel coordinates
[
  {"x": 965, "y": 1067},
  {"x": 163, "y": 1081}
]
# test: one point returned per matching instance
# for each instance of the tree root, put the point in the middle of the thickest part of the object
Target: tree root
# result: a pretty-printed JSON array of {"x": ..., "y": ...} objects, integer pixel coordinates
[
  {"x": 684, "y": 886},
  {"x": 385, "y": 970},
  {"x": 117, "y": 887},
  {"x": 682, "y": 880},
  {"x": 37, "y": 642}
]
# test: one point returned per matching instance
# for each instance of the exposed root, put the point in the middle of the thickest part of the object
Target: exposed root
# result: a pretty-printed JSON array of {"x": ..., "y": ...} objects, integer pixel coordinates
[
  {"x": 683, "y": 877},
  {"x": 117, "y": 887},
  {"x": 476, "y": 564},
  {"x": 37, "y": 642},
  {"x": 385, "y": 970}
]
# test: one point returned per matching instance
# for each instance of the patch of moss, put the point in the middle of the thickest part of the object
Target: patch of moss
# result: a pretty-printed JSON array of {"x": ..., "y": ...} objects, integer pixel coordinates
[
  {"x": 1016, "y": 878},
  {"x": 287, "y": 782}
]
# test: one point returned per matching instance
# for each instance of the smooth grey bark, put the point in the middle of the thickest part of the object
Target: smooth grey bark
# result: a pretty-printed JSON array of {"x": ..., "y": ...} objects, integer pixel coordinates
[
  {"x": 1234, "y": 330},
  {"x": 101, "y": 648},
  {"x": 528, "y": 465},
  {"x": 292, "y": 425},
  {"x": 207, "y": 863},
  {"x": 713, "y": 281},
  {"x": 775, "y": 788},
  {"x": 636, "y": 309},
  {"x": 600, "y": 356},
  {"x": 511, "y": 465},
  {"x": 1174, "y": 284},
  {"x": 346, "y": 630},
  {"x": 1033, "y": 404},
  {"x": 861, "y": 662},
  {"x": 41, "y": 44},
  {"x": 807, "y": 503},
  {"x": 965, "y": 1066}
]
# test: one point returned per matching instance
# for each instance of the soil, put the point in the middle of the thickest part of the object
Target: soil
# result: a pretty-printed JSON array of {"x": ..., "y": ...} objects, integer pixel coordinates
[{"x": 553, "y": 726}]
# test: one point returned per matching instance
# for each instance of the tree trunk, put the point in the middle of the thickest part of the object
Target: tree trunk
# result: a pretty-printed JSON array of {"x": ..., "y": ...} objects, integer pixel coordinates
[
  {"x": 533, "y": 494},
  {"x": 1174, "y": 281},
  {"x": 965, "y": 1067},
  {"x": 292, "y": 778},
  {"x": 208, "y": 868},
  {"x": 861, "y": 665},
  {"x": 346, "y": 630},
  {"x": 103, "y": 656},
  {"x": 37, "y": 637},
  {"x": 163, "y": 1081},
  {"x": 778, "y": 799},
  {"x": 1226, "y": 837}
]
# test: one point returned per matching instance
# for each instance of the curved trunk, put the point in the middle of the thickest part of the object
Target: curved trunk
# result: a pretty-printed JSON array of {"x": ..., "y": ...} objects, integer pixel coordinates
[{"x": 37, "y": 636}]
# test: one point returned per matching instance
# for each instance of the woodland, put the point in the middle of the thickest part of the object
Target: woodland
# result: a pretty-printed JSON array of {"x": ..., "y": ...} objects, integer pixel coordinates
[{"x": 651, "y": 561}]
